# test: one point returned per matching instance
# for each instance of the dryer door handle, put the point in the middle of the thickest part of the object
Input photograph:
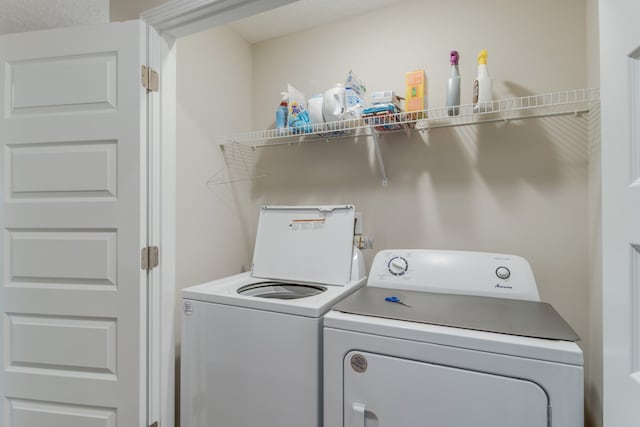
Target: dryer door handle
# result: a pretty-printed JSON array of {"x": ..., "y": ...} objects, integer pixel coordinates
[{"x": 359, "y": 415}]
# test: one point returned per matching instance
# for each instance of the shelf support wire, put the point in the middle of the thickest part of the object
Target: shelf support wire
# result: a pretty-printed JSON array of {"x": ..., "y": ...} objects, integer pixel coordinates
[
  {"x": 239, "y": 165},
  {"x": 376, "y": 146}
]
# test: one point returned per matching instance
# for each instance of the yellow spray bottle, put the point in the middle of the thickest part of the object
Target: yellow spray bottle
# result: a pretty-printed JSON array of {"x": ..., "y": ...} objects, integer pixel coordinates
[{"x": 482, "y": 97}]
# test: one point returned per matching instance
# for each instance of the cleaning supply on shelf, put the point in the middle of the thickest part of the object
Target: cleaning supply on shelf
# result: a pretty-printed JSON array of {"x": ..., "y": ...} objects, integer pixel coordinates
[
  {"x": 298, "y": 117},
  {"x": 334, "y": 105},
  {"x": 453, "y": 86},
  {"x": 383, "y": 113},
  {"x": 354, "y": 91},
  {"x": 382, "y": 116},
  {"x": 353, "y": 82},
  {"x": 416, "y": 95},
  {"x": 314, "y": 105},
  {"x": 386, "y": 97},
  {"x": 283, "y": 111},
  {"x": 482, "y": 98}
]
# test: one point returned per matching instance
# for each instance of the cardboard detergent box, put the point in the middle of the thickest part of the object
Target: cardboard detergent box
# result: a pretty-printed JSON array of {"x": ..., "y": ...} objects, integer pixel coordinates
[
  {"x": 416, "y": 95},
  {"x": 386, "y": 97}
]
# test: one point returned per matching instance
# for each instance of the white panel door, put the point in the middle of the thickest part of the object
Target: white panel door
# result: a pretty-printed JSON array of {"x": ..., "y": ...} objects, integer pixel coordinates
[
  {"x": 620, "y": 109},
  {"x": 73, "y": 221},
  {"x": 384, "y": 391}
]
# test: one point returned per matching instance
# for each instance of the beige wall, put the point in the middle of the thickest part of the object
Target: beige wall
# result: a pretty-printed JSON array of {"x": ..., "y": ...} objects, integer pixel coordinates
[
  {"x": 211, "y": 237},
  {"x": 533, "y": 47},
  {"x": 519, "y": 188}
]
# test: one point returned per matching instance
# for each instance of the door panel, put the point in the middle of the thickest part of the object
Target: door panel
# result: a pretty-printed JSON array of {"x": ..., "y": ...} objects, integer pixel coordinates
[
  {"x": 620, "y": 133},
  {"x": 82, "y": 257},
  {"x": 25, "y": 413},
  {"x": 383, "y": 391},
  {"x": 70, "y": 84},
  {"x": 73, "y": 219},
  {"x": 43, "y": 343},
  {"x": 66, "y": 170}
]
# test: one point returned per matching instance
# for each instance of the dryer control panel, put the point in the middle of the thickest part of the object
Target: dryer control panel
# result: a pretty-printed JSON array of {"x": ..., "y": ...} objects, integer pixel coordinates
[{"x": 454, "y": 272}]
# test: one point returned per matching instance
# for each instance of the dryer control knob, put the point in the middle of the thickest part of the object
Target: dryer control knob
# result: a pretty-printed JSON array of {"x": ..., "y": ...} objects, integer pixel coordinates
[
  {"x": 398, "y": 266},
  {"x": 503, "y": 272}
]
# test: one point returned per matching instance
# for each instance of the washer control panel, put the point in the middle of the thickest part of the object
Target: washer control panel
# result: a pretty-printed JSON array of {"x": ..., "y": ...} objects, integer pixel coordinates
[
  {"x": 456, "y": 272},
  {"x": 398, "y": 266}
]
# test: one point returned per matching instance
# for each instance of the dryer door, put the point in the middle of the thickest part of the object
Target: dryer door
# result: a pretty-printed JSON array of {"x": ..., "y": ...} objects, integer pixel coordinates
[{"x": 383, "y": 391}]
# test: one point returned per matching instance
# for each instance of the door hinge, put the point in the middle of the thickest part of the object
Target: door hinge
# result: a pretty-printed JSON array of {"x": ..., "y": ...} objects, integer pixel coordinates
[
  {"x": 150, "y": 79},
  {"x": 149, "y": 257},
  {"x": 155, "y": 424}
]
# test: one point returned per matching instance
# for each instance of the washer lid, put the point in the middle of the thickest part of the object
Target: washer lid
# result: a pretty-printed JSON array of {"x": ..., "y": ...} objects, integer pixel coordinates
[{"x": 305, "y": 243}]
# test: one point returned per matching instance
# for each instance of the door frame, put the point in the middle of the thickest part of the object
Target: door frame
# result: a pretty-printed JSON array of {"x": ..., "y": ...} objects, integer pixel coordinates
[
  {"x": 167, "y": 23},
  {"x": 620, "y": 169}
]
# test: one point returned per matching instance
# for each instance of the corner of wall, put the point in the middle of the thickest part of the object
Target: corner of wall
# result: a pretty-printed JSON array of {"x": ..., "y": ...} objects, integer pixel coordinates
[
  {"x": 593, "y": 44},
  {"x": 594, "y": 385}
]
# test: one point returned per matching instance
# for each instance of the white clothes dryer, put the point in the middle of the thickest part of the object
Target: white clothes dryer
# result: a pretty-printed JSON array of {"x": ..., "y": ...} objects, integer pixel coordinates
[
  {"x": 252, "y": 343},
  {"x": 450, "y": 339}
]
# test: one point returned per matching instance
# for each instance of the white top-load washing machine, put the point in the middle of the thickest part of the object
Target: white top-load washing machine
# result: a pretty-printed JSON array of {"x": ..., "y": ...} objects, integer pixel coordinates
[
  {"x": 450, "y": 339},
  {"x": 252, "y": 343}
]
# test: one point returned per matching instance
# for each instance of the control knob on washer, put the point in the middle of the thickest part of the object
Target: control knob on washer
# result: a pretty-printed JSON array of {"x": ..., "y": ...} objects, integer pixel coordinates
[{"x": 398, "y": 266}]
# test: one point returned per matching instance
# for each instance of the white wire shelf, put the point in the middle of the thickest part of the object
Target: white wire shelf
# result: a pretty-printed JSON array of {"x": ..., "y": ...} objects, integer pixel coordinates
[
  {"x": 237, "y": 148},
  {"x": 545, "y": 105}
]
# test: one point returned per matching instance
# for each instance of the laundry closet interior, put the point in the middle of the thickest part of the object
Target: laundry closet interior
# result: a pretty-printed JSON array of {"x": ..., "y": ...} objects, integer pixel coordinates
[{"x": 521, "y": 186}]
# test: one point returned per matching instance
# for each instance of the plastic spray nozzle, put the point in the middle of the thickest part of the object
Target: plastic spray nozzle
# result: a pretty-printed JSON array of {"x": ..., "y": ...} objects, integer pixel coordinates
[
  {"x": 285, "y": 98},
  {"x": 454, "y": 57},
  {"x": 482, "y": 57}
]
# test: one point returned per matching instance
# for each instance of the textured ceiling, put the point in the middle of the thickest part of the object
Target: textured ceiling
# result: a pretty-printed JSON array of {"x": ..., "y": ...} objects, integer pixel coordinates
[{"x": 26, "y": 15}]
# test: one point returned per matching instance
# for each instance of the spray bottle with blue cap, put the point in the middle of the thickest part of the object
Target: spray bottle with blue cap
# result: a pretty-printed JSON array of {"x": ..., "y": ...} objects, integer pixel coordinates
[{"x": 282, "y": 111}]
